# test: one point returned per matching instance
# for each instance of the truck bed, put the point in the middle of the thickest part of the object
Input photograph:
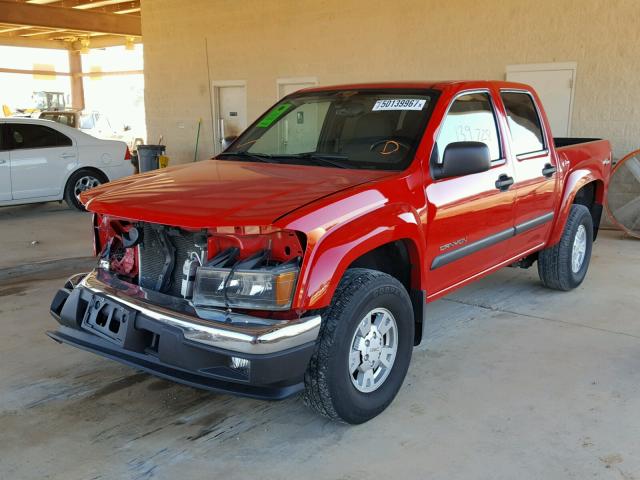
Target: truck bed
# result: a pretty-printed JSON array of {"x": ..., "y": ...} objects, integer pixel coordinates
[
  {"x": 586, "y": 154},
  {"x": 560, "y": 142}
]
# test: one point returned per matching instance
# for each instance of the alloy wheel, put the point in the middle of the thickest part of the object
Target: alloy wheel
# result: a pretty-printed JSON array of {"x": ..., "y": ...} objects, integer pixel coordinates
[
  {"x": 85, "y": 183},
  {"x": 373, "y": 350}
]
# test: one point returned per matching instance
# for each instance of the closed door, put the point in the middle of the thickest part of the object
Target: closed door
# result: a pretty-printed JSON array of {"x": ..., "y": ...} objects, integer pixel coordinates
[
  {"x": 470, "y": 219},
  {"x": 40, "y": 159},
  {"x": 5, "y": 170},
  {"x": 535, "y": 169},
  {"x": 231, "y": 110},
  {"x": 554, "y": 85}
]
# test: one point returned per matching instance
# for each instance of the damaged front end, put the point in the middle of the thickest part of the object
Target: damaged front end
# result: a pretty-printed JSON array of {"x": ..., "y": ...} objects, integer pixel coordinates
[
  {"x": 210, "y": 308},
  {"x": 252, "y": 268}
]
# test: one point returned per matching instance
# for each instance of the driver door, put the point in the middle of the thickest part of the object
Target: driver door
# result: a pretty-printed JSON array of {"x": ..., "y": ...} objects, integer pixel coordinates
[{"x": 470, "y": 220}]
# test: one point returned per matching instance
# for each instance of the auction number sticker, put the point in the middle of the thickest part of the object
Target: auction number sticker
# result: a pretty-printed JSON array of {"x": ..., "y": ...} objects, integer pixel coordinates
[{"x": 399, "y": 104}]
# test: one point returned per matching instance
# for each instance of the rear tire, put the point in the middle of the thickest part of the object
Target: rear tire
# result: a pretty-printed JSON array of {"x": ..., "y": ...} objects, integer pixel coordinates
[
  {"x": 369, "y": 326},
  {"x": 80, "y": 181},
  {"x": 564, "y": 265}
]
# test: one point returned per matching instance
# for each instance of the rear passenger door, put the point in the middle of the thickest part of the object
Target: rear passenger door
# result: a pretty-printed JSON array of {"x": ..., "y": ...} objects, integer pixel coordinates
[
  {"x": 535, "y": 169},
  {"x": 470, "y": 220},
  {"x": 41, "y": 159}
]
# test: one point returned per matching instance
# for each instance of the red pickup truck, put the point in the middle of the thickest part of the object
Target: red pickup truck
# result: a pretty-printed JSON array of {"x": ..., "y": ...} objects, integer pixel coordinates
[{"x": 302, "y": 258}]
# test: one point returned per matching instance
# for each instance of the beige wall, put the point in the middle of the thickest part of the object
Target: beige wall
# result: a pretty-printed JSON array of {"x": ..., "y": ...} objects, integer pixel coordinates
[{"x": 341, "y": 41}]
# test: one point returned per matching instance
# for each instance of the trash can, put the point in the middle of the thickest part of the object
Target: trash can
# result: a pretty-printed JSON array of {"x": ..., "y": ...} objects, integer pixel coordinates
[
  {"x": 148, "y": 157},
  {"x": 134, "y": 161}
]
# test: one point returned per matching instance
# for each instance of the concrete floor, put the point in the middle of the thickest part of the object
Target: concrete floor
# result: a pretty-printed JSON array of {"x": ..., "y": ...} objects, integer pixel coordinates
[
  {"x": 515, "y": 382},
  {"x": 41, "y": 232}
]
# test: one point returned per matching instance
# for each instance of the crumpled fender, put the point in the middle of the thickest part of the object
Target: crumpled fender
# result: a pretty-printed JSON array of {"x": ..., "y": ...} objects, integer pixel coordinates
[{"x": 331, "y": 250}]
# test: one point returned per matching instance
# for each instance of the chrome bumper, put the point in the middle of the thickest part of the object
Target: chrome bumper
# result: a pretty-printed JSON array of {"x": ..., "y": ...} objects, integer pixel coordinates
[{"x": 217, "y": 328}]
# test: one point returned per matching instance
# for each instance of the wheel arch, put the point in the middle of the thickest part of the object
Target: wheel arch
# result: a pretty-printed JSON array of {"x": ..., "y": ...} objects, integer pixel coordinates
[
  {"x": 389, "y": 239},
  {"x": 395, "y": 259},
  {"x": 83, "y": 168},
  {"x": 583, "y": 187},
  {"x": 68, "y": 194}
]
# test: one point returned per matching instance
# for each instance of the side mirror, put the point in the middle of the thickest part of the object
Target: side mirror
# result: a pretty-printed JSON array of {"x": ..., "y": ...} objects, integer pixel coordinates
[{"x": 463, "y": 158}]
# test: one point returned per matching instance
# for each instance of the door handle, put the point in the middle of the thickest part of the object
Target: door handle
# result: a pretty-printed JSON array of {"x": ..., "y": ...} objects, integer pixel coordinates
[
  {"x": 548, "y": 170},
  {"x": 504, "y": 182},
  {"x": 67, "y": 155},
  {"x": 2, "y": 162}
]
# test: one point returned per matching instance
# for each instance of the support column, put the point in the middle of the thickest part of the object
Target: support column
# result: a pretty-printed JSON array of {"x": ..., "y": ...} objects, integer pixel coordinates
[{"x": 77, "y": 85}]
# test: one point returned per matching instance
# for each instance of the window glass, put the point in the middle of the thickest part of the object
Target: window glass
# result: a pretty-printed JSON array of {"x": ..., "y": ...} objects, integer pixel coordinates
[
  {"x": 524, "y": 123},
  {"x": 25, "y": 135},
  {"x": 369, "y": 129},
  {"x": 297, "y": 132},
  {"x": 470, "y": 119}
]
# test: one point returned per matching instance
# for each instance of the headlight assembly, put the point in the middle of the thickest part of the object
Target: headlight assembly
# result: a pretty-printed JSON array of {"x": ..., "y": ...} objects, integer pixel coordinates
[{"x": 259, "y": 289}]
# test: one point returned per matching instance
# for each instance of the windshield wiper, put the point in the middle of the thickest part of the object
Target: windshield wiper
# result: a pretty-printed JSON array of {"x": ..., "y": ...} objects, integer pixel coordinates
[
  {"x": 333, "y": 159},
  {"x": 260, "y": 157}
]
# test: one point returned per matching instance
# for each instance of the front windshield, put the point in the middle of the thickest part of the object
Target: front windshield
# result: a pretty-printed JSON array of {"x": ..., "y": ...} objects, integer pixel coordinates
[{"x": 370, "y": 129}]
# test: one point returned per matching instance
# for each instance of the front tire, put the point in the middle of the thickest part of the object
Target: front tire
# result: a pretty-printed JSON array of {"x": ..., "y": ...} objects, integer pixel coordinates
[
  {"x": 79, "y": 182},
  {"x": 564, "y": 265},
  {"x": 363, "y": 350}
]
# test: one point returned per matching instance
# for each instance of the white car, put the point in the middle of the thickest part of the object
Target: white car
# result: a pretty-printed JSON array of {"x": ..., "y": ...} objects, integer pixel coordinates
[{"x": 42, "y": 161}]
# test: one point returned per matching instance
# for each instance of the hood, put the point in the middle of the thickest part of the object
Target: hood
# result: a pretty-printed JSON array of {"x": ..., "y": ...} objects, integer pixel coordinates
[{"x": 221, "y": 192}]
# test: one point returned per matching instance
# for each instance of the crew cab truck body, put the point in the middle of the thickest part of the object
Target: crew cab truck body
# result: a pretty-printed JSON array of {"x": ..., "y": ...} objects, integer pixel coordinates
[{"x": 303, "y": 257}]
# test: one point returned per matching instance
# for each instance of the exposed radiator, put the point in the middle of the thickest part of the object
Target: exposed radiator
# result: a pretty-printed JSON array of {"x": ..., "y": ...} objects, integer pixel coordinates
[{"x": 153, "y": 254}]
